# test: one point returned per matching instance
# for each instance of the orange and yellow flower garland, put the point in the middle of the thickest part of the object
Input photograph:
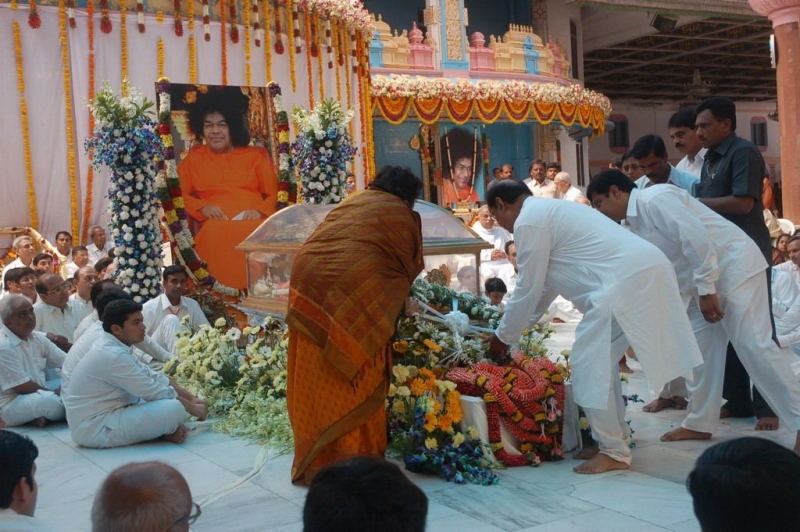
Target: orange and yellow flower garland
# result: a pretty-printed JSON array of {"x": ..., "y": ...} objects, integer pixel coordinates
[
  {"x": 315, "y": 35},
  {"x": 309, "y": 73},
  {"x": 33, "y": 213},
  {"x": 246, "y": 13},
  {"x": 123, "y": 38},
  {"x": 223, "y": 42},
  {"x": 160, "y": 57},
  {"x": 290, "y": 32},
  {"x": 87, "y": 204},
  {"x": 268, "y": 40},
  {"x": 69, "y": 124}
]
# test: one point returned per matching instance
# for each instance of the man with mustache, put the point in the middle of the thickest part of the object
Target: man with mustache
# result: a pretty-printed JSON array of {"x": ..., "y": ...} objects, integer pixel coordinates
[{"x": 684, "y": 138}]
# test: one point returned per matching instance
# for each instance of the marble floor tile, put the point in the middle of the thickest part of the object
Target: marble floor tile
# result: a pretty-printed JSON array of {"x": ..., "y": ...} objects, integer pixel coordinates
[
  {"x": 649, "y": 499},
  {"x": 601, "y": 520},
  {"x": 690, "y": 525},
  {"x": 460, "y": 523},
  {"x": 511, "y": 505},
  {"x": 110, "y": 459},
  {"x": 251, "y": 508},
  {"x": 275, "y": 477},
  {"x": 552, "y": 474},
  {"x": 206, "y": 478},
  {"x": 664, "y": 462}
]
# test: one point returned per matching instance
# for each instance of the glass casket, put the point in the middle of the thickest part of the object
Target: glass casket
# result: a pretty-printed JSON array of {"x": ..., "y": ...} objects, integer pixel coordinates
[{"x": 271, "y": 249}]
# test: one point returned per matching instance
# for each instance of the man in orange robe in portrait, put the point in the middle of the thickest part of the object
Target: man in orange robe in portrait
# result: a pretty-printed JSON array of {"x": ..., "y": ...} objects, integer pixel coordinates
[
  {"x": 228, "y": 186},
  {"x": 348, "y": 285}
]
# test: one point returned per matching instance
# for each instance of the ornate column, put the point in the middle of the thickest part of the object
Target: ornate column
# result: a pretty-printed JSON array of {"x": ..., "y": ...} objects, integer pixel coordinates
[
  {"x": 447, "y": 20},
  {"x": 785, "y": 17}
]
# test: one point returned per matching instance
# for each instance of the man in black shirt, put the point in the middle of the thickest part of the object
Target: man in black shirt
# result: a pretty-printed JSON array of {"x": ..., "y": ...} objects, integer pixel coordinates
[{"x": 731, "y": 184}]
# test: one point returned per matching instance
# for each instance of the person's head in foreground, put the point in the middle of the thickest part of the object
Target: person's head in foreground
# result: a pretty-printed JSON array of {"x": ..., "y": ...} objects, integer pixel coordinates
[
  {"x": 505, "y": 199},
  {"x": 366, "y": 494},
  {"x": 123, "y": 319},
  {"x": 399, "y": 181},
  {"x": 746, "y": 484},
  {"x": 144, "y": 497},
  {"x": 18, "y": 488},
  {"x": 495, "y": 290}
]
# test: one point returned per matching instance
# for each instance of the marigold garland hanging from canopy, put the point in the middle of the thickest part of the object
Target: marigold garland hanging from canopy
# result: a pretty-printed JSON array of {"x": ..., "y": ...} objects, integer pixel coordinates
[{"x": 396, "y": 96}]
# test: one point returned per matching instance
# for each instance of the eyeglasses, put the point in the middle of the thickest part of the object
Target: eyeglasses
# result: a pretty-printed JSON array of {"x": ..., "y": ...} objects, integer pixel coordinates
[{"x": 191, "y": 518}]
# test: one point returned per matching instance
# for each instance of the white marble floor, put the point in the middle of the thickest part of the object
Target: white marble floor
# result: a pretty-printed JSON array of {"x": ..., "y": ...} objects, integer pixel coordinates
[{"x": 650, "y": 497}]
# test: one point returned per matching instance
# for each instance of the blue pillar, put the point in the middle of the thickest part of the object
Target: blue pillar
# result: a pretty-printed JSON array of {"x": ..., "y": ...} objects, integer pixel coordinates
[
  {"x": 531, "y": 56},
  {"x": 376, "y": 51}
]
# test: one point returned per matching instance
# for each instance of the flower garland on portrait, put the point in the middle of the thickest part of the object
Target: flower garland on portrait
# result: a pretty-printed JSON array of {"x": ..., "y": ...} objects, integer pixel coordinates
[
  {"x": 126, "y": 142},
  {"x": 287, "y": 189},
  {"x": 321, "y": 151},
  {"x": 242, "y": 372}
]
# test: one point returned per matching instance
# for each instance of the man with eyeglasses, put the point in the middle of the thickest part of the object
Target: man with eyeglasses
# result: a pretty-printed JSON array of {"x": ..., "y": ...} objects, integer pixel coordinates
[
  {"x": 651, "y": 153},
  {"x": 25, "y": 250},
  {"x": 25, "y": 356},
  {"x": 56, "y": 315},
  {"x": 144, "y": 496}
]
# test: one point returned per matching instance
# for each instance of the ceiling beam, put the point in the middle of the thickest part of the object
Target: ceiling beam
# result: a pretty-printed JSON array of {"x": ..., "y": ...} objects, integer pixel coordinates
[{"x": 751, "y": 37}]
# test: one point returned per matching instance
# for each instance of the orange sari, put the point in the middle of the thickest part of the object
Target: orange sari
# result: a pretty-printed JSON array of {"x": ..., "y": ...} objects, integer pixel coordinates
[
  {"x": 348, "y": 285},
  {"x": 241, "y": 180}
]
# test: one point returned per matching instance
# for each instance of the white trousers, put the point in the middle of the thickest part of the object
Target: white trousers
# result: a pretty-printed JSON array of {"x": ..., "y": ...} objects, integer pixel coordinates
[
  {"x": 29, "y": 406},
  {"x": 165, "y": 333},
  {"x": 608, "y": 424},
  {"x": 132, "y": 424},
  {"x": 775, "y": 371}
]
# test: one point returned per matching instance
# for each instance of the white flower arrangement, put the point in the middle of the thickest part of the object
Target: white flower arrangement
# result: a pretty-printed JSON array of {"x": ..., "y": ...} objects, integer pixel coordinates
[{"x": 126, "y": 141}]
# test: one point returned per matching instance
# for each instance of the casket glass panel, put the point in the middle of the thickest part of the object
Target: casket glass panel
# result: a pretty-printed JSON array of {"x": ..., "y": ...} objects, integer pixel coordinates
[{"x": 271, "y": 249}]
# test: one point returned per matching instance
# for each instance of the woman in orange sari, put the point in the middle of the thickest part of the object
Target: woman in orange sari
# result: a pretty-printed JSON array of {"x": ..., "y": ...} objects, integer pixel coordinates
[
  {"x": 348, "y": 285},
  {"x": 228, "y": 186}
]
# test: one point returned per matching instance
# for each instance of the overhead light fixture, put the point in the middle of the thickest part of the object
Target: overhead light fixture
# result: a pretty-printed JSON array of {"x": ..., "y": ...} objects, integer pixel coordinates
[{"x": 664, "y": 24}]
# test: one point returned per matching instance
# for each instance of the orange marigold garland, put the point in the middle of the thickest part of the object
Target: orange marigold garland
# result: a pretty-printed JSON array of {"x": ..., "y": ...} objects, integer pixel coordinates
[
  {"x": 256, "y": 18},
  {"x": 34, "y": 21},
  {"x": 140, "y": 15},
  {"x": 176, "y": 5},
  {"x": 160, "y": 57},
  {"x": 87, "y": 204},
  {"x": 69, "y": 123},
  {"x": 190, "y": 15},
  {"x": 318, "y": 45},
  {"x": 224, "y": 41},
  {"x": 248, "y": 71},
  {"x": 33, "y": 213},
  {"x": 123, "y": 38},
  {"x": 206, "y": 22},
  {"x": 105, "y": 20},
  {"x": 279, "y": 48},
  {"x": 309, "y": 72},
  {"x": 192, "y": 59},
  {"x": 71, "y": 13},
  {"x": 234, "y": 25},
  {"x": 290, "y": 31}
]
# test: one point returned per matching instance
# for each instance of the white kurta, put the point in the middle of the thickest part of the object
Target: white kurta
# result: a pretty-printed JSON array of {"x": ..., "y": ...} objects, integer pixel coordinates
[
  {"x": 790, "y": 268},
  {"x": 83, "y": 305},
  {"x": 693, "y": 166},
  {"x": 713, "y": 256},
  {"x": 608, "y": 273},
  {"x": 497, "y": 237},
  {"x": 545, "y": 189},
  {"x": 162, "y": 320},
  {"x": 114, "y": 399},
  {"x": 145, "y": 351},
  {"x": 573, "y": 193},
  {"x": 96, "y": 254},
  {"x": 786, "y": 310},
  {"x": 22, "y": 361},
  {"x": 50, "y": 319}
]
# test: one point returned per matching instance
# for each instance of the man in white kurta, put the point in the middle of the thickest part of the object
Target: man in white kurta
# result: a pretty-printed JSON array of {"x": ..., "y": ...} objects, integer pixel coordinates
[
  {"x": 116, "y": 400},
  {"x": 786, "y": 309},
  {"x": 539, "y": 185},
  {"x": 84, "y": 280},
  {"x": 566, "y": 191},
  {"x": 163, "y": 314},
  {"x": 25, "y": 357},
  {"x": 617, "y": 280},
  {"x": 56, "y": 315},
  {"x": 23, "y": 247},
  {"x": 146, "y": 351},
  {"x": 720, "y": 267},
  {"x": 494, "y": 262},
  {"x": 100, "y": 246},
  {"x": 792, "y": 266}
]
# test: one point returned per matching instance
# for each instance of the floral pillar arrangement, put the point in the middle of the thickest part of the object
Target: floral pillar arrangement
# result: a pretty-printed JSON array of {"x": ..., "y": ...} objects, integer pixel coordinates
[
  {"x": 321, "y": 152},
  {"x": 125, "y": 141}
]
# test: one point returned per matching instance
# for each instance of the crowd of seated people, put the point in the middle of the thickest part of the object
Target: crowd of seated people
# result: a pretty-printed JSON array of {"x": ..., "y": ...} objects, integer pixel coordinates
[{"x": 88, "y": 358}]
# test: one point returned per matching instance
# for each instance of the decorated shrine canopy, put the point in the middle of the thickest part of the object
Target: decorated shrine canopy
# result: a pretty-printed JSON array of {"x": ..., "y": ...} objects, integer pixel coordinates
[{"x": 396, "y": 97}]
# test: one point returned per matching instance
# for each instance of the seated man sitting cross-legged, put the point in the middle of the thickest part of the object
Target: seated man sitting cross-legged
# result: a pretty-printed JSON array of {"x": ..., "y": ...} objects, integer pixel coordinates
[{"x": 115, "y": 399}]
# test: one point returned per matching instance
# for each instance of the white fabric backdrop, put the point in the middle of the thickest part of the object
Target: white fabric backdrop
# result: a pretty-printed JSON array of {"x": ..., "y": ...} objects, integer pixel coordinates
[{"x": 44, "y": 92}]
